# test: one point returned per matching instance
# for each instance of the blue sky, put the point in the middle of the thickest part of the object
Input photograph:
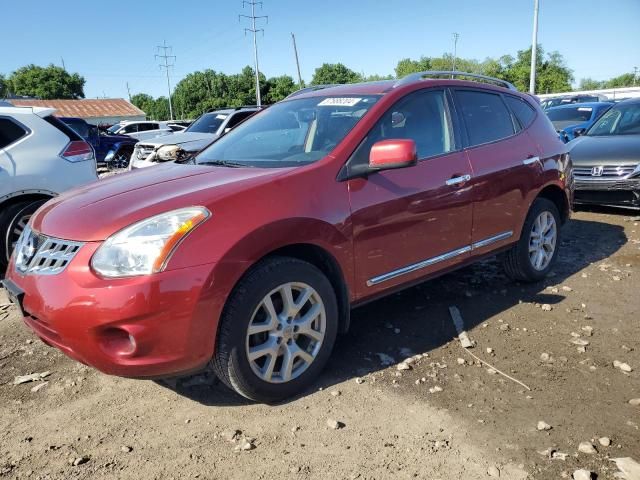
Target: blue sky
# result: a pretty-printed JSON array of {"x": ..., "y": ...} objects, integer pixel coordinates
[{"x": 111, "y": 43}]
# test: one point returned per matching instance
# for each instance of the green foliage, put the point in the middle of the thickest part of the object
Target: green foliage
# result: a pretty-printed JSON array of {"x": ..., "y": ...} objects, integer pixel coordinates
[
  {"x": 590, "y": 84},
  {"x": 621, "y": 81},
  {"x": 279, "y": 88},
  {"x": 3, "y": 86},
  {"x": 46, "y": 82},
  {"x": 329, "y": 73}
]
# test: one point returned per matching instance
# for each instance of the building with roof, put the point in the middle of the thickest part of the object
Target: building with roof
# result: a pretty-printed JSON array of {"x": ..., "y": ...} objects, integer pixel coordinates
[{"x": 100, "y": 111}]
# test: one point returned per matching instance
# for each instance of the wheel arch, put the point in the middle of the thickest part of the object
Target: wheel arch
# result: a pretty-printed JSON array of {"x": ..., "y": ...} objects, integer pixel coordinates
[
  {"x": 24, "y": 196},
  {"x": 557, "y": 195}
]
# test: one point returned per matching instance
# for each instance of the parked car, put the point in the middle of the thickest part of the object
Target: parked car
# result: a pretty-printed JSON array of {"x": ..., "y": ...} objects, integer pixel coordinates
[
  {"x": 110, "y": 150},
  {"x": 607, "y": 158},
  {"x": 198, "y": 135},
  {"x": 575, "y": 116},
  {"x": 40, "y": 157},
  {"x": 568, "y": 99},
  {"x": 249, "y": 256},
  {"x": 141, "y": 130}
]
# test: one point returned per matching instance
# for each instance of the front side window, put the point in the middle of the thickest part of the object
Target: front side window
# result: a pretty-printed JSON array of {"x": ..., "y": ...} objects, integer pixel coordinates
[
  {"x": 10, "y": 132},
  {"x": 420, "y": 116},
  {"x": 485, "y": 116},
  {"x": 619, "y": 120},
  {"x": 290, "y": 133},
  {"x": 132, "y": 128}
]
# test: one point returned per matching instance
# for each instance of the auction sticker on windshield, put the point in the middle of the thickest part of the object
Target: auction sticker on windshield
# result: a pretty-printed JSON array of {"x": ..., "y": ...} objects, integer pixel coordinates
[{"x": 339, "y": 102}]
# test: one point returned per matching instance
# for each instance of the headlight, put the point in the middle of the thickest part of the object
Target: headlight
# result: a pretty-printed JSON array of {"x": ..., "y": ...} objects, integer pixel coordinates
[
  {"x": 109, "y": 155},
  {"x": 168, "y": 152},
  {"x": 145, "y": 247}
]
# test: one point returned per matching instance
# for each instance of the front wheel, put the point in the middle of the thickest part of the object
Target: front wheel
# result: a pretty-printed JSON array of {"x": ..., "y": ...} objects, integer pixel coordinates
[
  {"x": 277, "y": 330},
  {"x": 531, "y": 259}
]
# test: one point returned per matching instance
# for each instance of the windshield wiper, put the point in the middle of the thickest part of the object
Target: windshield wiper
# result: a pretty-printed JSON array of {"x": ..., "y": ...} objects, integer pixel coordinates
[{"x": 223, "y": 163}]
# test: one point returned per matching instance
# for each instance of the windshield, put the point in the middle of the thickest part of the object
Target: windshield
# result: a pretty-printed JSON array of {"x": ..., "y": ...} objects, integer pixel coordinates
[
  {"x": 564, "y": 117},
  {"x": 296, "y": 132},
  {"x": 619, "y": 120},
  {"x": 114, "y": 128},
  {"x": 207, "y": 123}
]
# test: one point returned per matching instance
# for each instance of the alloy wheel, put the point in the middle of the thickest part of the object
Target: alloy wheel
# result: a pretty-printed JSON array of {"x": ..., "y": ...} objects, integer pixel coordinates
[
  {"x": 286, "y": 332},
  {"x": 542, "y": 240},
  {"x": 18, "y": 224}
]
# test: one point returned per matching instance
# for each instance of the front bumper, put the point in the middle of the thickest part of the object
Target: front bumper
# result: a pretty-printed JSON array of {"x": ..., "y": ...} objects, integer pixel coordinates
[
  {"x": 149, "y": 326},
  {"x": 623, "y": 192}
]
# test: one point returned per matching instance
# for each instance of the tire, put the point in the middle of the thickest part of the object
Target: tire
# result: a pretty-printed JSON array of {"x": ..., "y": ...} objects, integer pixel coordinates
[
  {"x": 247, "y": 305},
  {"x": 12, "y": 221},
  {"x": 121, "y": 159},
  {"x": 520, "y": 263}
]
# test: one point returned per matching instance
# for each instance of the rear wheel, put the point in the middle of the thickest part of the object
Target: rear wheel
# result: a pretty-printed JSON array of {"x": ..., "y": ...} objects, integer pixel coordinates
[
  {"x": 13, "y": 220},
  {"x": 277, "y": 330},
  {"x": 533, "y": 256}
]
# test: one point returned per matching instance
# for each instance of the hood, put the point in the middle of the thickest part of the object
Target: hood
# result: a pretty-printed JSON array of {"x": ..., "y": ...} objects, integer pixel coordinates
[
  {"x": 98, "y": 210},
  {"x": 117, "y": 139},
  {"x": 190, "y": 141},
  {"x": 606, "y": 150}
]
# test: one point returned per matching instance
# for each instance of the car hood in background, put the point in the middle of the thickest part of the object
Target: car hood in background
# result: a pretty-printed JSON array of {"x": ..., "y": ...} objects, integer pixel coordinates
[
  {"x": 189, "y": 141},
  {"x": 606, "y": 150},
  {"x": 98, "y": 210}
]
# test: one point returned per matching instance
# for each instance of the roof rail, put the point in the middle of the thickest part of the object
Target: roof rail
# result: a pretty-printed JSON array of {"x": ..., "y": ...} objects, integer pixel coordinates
[
  {"x": 312, "y": 88},
  {"x": 412, "y": 77}
]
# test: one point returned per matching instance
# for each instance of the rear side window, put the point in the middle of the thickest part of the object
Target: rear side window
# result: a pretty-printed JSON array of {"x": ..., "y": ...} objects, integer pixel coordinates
[
  {"x": 485, "y": 116},
  {"x": 64, "y": 128},
  {"x": 523, "y": 112},
  {"x": 238, "y": 117},
  {"x": 133, "y": 128},
  {"x": 10, "y": 132}
]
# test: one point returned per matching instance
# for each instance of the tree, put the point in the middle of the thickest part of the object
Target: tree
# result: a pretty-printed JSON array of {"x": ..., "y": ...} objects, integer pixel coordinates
[
  {"x": 46, "y": 82},
  {"x": 279, "y": 88},
  {"x": 407, "y": 66},
  {"x": 552, "y": 74},
  {"x": 3, "y": 87},
  {"x": 589, "y": 84},
  {"x": 624, "y": 80},
  {"x": 329, "y": 73},
  {"x": 143, "y": 101}
]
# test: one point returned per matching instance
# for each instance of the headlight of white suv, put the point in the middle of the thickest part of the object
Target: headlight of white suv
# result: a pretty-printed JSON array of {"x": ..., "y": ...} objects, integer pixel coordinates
[{"x": 146, "y": 246}]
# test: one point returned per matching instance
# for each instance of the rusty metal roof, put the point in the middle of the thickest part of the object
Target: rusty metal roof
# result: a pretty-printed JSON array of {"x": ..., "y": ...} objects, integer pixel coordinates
[{"x": 85, "y": 108}]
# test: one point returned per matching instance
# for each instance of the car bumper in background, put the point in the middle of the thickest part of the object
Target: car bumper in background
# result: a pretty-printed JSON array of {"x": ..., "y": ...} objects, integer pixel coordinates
[{"x": 618, "y": 192}]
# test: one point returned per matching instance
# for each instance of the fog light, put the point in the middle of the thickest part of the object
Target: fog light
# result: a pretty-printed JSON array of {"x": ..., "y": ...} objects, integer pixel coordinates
[{"x": 118, "y": 342}]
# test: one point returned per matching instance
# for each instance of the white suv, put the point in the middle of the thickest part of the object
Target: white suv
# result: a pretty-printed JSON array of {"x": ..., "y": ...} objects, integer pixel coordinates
[
  {"x": 40, "y": 157},
  {"x": 143, "y": 130}
]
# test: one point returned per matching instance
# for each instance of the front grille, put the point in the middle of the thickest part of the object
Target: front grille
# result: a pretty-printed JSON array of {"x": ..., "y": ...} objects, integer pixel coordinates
[
  {"x": 615, "y": 171},
  {"x": 43, "y": 255},
  {"x": 142, "y": 151}
]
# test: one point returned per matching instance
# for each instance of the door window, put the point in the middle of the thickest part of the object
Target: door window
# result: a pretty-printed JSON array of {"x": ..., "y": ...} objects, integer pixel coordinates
[
  {"x": 523, "y": 112},
  {"x": 10, "y": 132},
  {"x": 144, "y": 127},
  {"x": 485, "y": 116},
  {"x": 130, "y": 128},
  {"x": 420, "y": 116}
]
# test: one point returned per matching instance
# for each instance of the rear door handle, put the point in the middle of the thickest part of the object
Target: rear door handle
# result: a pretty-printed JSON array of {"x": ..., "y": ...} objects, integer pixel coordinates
[
  {"x": 530, "y": 160},
  {"x": 457, "y": 180}
]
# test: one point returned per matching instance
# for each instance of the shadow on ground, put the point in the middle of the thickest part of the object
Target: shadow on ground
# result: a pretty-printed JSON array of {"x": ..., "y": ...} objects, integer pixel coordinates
[{"x": 417, "y": 319}]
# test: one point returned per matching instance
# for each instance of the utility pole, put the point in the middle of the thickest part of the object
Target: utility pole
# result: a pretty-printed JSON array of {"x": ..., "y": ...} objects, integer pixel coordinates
[
  {"x": 295, "y": 51},
  {"x": 166, "y": 66},
  {"x": 255, "y": 31},
  {"x": 129, "y": 92},
  {"x": 635, "y": 75},
  {"x": 455, "y": 50},
  {"x": 534, "y": 49},
  {"x": 63, "y": 66}
]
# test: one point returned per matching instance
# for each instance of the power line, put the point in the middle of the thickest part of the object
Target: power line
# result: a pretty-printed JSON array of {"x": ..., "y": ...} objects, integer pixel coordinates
[
  {"x": 166, "y": 66},
  {"x": 253, "y": 29}
]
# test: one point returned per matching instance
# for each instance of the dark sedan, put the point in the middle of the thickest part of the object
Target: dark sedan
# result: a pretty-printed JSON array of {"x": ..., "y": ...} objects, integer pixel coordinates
[{"x": 606, "y": 159}]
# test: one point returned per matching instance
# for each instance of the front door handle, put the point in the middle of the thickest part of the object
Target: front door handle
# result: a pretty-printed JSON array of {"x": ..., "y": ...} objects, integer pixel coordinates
[
  {"x": 531, "y": 160},
  {"x": 457, "y": 180}
]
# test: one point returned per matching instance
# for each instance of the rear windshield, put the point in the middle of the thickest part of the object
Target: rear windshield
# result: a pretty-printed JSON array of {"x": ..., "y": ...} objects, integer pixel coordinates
[
  {"x": 208, "y": 123},
  {"x": 64, "y": 128},
  {"x": 290, "y": 133},
  {"x": 564, "y": 117},
  {"x": 81, "y": 127}
]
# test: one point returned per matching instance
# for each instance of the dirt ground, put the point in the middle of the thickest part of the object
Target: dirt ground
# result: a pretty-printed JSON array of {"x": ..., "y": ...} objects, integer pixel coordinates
[{"x": 439, "y": 419}]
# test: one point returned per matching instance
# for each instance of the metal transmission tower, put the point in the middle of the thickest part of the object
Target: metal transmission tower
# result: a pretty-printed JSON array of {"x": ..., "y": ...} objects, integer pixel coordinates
[
  {"x": 253, "y": 30},
  {"x": 456, "y": 36},
  {"x": 166, "y": 66}
]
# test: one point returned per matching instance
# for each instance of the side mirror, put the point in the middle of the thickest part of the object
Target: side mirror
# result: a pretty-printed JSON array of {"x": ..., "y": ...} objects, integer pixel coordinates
[
  {"x": 388, "y": 154},
  {"x": 579, "y": 131}
]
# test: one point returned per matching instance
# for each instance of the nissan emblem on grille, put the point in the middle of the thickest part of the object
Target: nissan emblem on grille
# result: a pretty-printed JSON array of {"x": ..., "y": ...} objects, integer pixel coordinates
[
  {"x": 597, "y": 171},
  {"x": 39, "y": 254}
]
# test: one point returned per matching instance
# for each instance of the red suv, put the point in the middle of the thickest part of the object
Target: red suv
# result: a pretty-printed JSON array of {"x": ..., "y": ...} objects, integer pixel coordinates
[{"x": 249, "y": 257}]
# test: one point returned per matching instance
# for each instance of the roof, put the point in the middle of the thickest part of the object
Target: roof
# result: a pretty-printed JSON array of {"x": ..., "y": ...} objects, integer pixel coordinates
[
  {"x": 85, "y": 108},
  {"x": 40, "y": 111},
  {"x": 596, "y": 105}
]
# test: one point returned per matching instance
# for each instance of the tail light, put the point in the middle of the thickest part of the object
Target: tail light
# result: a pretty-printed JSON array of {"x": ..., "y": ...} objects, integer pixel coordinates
[{"x": 77, "y": 151}]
